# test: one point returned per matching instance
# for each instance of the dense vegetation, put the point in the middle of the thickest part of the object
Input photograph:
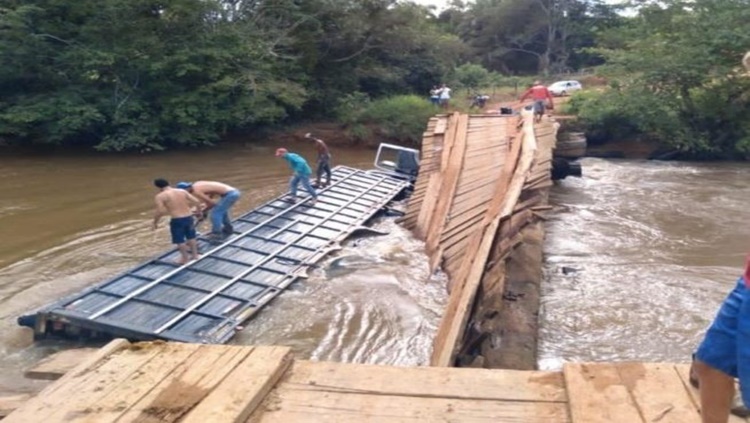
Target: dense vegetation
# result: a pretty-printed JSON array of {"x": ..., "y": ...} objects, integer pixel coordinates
[
  {"x": 676, "y": 79},
  {"x": 152, "y": 74}
]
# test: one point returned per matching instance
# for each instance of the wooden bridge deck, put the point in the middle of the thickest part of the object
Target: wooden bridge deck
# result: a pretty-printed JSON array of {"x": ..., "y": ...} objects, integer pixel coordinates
[
  {"x": 175, "y": 382},
  {"x": 482, "y": 180}
]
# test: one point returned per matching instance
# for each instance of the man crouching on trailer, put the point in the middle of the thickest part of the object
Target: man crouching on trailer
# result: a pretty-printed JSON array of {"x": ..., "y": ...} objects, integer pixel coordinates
[{"x": 178, "y": 204}]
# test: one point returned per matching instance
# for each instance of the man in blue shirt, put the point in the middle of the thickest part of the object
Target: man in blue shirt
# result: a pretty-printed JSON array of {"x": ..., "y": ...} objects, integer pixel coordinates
[{"x": 302, "y": 173}]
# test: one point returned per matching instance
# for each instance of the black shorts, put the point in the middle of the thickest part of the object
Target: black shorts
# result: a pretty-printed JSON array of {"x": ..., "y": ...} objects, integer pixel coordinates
[{"x": 182, "y": 229}]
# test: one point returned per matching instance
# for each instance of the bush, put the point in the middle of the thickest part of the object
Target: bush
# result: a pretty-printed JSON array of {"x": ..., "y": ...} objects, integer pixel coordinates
[
  {"x": 614, "y": 115},
  {"x": 400, "y": 118}
]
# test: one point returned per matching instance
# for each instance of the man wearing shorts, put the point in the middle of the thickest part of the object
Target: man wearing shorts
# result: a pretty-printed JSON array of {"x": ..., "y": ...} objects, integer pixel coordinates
[
  {"x": 540, "y": 95},
  {"x": 724, "y": 354},
  {"x": 177, "y": 204}
]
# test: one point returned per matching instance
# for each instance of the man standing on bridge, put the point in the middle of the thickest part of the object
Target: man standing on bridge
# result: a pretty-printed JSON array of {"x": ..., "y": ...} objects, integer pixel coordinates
[
  {"x": 177, "y": 204},
  {"x": 219, "y": 199},
  {"x": 540, "y": 94},
  {"x": 324, "y": 161},
  {"x": 302, "y": 173}
]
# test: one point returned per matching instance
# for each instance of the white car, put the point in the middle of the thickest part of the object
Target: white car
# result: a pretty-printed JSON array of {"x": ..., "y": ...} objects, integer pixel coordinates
[{"x": 561, "y": 88}]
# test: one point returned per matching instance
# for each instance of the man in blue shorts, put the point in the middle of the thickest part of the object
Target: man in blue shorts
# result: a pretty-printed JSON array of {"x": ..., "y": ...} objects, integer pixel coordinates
[
  {"x": 179, "y": 205},
  {"x": 724, "y": 354}
]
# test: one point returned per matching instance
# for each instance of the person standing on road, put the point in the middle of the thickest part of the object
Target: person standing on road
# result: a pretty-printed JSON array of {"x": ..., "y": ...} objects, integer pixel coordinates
[
  {"x": 301, "y": 173},
  {"x": 539, "y": 94},
  {"x": 324, "y": 161},
  {"x": 217, "y": 197},
  {"x": 178, "y": 205}
]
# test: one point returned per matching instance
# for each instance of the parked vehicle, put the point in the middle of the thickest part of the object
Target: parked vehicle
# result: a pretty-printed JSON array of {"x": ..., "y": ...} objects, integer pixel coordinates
[{"x": 562, "y": 88}]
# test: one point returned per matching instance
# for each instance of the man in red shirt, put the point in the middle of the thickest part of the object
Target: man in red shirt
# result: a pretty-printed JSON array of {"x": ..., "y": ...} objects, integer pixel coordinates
[
  {"x": 540, "y": 94},
  {"x": 724, "y": 354}
]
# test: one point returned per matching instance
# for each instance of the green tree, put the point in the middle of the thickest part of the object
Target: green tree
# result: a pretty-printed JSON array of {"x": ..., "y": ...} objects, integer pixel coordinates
[
  {"x": 471, "y": 76},
  {"x": 685, "y": 59}
]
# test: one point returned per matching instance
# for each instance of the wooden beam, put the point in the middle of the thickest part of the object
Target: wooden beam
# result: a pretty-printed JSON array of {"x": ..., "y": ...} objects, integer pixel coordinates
[
  {"x": 468, "y": 277},
  {"x": 240, "y": 393},
  {"x": 453, "y": 160},
  {"x": 505, "y": 385},
  {"x": 56, "y": 365},
  {"x": 596, "y": 394},
  {"x": 9, "y": 403},
  {"x": 658, "y": 392}
]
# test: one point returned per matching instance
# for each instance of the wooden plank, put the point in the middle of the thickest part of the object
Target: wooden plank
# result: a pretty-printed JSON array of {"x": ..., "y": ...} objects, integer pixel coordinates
[
  {"x": 240, "y": 393},
  {"x": 453, "y": 166},
  {"x": 87, "y": 401},
  {"x": 296, "y": 406},
  {"x": 9, "y": 403},
  {"x": 468, "y": 277},
  {"x": 507, "y": 385},
  {"x": 182, "y": 390},
  {"x": 56, "y": 365},
  {"x": 596, "y": 394},
  {"x": 92, "y": 381},
  {"x": 658, "y": 392}
]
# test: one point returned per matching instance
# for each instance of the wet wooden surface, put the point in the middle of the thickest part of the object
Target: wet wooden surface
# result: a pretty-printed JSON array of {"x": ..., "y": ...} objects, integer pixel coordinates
[{"x": 171, "y": 382}]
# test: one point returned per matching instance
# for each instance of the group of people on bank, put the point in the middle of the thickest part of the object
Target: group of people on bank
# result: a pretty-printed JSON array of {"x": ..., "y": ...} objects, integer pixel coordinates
[
  {"x": 189, "y": 203},
  {"x": 440, "y": 96}
]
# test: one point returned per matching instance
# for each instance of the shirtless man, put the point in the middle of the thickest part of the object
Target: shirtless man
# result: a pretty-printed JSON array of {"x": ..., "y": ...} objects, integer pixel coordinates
[
  {"x": 324, "y": 161},
  {"x": 217, "y": 197},
  {"x": 177, "y": 204}
]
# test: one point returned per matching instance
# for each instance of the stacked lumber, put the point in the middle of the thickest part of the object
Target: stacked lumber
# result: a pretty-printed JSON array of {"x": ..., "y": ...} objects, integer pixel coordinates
[{"x": 483, "y": 180}]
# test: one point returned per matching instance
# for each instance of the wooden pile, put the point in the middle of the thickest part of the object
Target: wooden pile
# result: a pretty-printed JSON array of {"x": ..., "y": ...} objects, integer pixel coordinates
[{"x": 479, "y": 185}]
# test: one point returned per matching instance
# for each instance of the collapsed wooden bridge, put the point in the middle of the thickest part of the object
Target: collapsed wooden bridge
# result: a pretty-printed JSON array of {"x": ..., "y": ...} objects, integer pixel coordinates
[
  {"x": 482, "y": 185},
  {"x": 482, "y": 181}
]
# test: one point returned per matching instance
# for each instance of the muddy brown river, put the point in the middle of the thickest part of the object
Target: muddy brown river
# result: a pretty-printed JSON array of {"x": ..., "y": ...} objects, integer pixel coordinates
[
  {"x": 649, "y": 251},
  {"x": 69, "y": 222},
  {"x": 639, "y": 257}
]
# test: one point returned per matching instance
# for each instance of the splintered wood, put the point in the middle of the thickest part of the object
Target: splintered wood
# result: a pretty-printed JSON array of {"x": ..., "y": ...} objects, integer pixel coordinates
[{"x": 480, "y": 183}]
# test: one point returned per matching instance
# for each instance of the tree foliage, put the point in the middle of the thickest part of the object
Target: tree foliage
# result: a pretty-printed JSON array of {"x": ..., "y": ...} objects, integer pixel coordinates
[
  {"x": 148, "y": 74},
  {"x": 677, "y": 77}
]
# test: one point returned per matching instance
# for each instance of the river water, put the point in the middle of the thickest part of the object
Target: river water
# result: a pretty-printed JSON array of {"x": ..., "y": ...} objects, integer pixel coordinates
[
  {"x": 69, "y": 222},
  {"x": 649, "y": 251}
]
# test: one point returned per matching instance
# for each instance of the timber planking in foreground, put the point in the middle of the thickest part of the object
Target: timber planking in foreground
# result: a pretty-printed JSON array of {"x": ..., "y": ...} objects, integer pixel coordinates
[{"x": 175, "y": 382}]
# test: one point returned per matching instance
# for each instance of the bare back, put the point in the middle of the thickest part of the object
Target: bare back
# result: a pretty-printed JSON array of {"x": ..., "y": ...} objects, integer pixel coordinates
[
  {"x": 322, "y": 148},
  {"x": 211, "y": 189},
  {"x": 175, "y": 202}
]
